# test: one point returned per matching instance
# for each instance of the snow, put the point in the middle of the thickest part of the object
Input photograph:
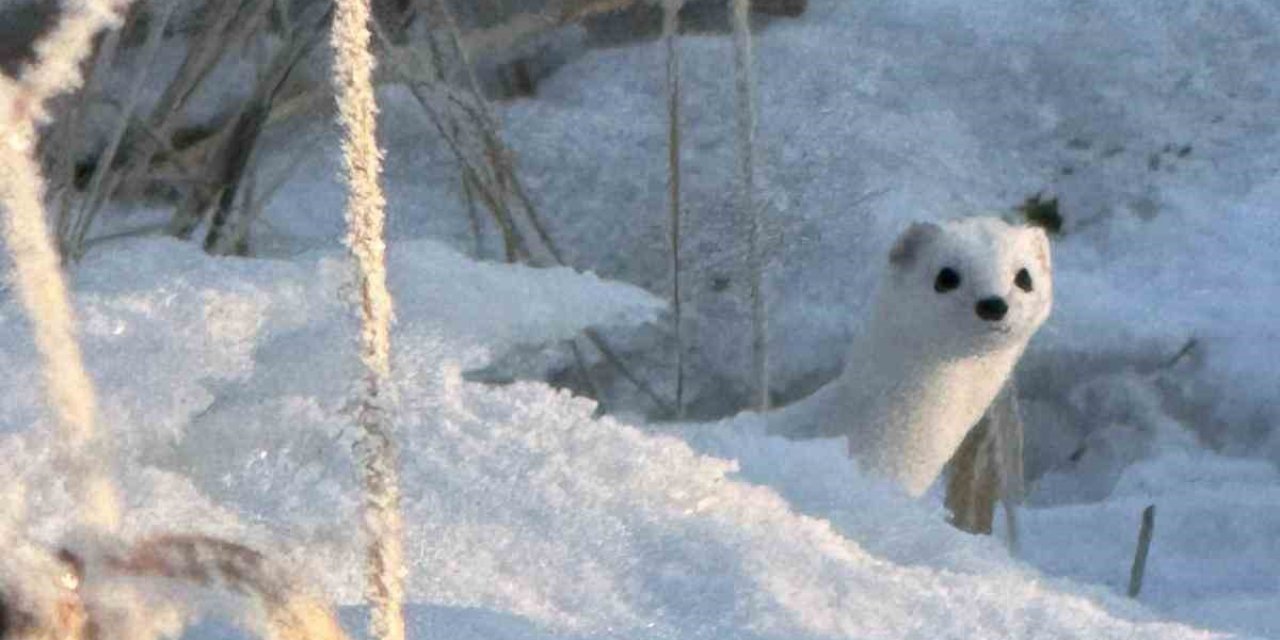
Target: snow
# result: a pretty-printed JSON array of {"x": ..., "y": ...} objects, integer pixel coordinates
[
  {"x": 519, "y": 501},
  {"x": 224, "y": 381}
]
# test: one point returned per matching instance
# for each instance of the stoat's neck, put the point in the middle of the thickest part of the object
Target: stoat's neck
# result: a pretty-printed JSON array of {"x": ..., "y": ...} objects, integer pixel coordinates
[{"x": 912, "y": 407}]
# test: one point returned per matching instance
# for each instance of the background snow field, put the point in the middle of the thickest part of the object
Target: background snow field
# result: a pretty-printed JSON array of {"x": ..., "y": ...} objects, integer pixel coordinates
[{"x": 226, "y": 382}]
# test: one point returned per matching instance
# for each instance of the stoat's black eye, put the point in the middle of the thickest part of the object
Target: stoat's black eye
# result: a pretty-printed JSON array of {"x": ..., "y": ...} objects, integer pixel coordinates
[
  {"x": 1023, "y": 280},
  {"x": 947, "y": 280}
]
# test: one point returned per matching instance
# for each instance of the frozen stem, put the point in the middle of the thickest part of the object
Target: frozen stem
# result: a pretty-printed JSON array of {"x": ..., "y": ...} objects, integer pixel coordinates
[
  {"x": 38, "y": 277},
  {"x": 1139, "y": 568},
  {"x": 748, "y": 207},
  {"x": 671, "y": 35},
  {"x": 376, "y": 451}
]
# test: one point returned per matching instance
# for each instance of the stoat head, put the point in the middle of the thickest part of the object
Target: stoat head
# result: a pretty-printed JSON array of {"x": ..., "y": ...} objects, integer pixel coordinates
[{"x": 975, "y": 284}]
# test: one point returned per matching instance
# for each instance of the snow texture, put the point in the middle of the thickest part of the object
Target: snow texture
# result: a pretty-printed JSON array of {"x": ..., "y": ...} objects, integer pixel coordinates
[
  {"x": 1153, "y": 122},
  {"x": 518, "y": 501}
]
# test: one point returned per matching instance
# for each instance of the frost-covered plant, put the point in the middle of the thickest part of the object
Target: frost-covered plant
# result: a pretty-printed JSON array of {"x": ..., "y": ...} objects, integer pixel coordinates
[
  {"x": 362, "y": 164},
  {"x": 670, "y": 33},
  {"x": 41, "y": 287},
  {"x": 748, "y": 207}
]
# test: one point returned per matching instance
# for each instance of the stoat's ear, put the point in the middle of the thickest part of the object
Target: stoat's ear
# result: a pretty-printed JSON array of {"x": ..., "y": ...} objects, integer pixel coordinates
[
  {"x": 1040, "y": 244},
  {"x": 911, "y": 241}
]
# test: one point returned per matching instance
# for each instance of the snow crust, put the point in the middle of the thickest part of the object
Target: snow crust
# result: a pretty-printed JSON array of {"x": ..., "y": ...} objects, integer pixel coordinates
[{"x": 224, "y": 382}]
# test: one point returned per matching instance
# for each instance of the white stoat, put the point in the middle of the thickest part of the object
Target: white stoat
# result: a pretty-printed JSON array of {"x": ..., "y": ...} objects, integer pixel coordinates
[{"x": 954, "y": 311}]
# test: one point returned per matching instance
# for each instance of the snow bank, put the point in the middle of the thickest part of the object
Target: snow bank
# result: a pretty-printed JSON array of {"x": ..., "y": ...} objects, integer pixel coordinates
[
  {"x": 174, "y": 337},
  {"x": 225, "y": 379}
]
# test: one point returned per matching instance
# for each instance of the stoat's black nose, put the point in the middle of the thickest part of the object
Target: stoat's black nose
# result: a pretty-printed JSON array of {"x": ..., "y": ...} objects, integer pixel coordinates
[{"x": 991, "y": 309}]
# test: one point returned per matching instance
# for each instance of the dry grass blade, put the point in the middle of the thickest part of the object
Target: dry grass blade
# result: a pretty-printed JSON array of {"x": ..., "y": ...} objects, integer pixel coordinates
[
  {"x": 78, "y": 228},
  {"x": 1139, "y": 568},
  {"x": 748, "y": 206},
  {"x": 464, "y": 119},
  {"x": 40, "y": 283},
  {"x": 56, "y": 68},
  {"x": 362, "y": 165},
  {"x": 229, "y": 22},
  {"x": 62, "y": 165},
  {"x": 43, "y": 293},
  {"x": 670, "y": 30},
  {"x": 235, "y": 157}
]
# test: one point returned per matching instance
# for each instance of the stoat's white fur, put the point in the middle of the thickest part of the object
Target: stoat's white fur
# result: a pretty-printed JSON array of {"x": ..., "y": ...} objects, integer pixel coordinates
[{"x": 924, "y": 366}]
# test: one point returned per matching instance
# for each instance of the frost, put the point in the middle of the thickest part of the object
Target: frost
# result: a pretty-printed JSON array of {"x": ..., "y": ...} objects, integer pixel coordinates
[
  {"x": 223, "y": 381},
  {"x": 518, "y": 501}
]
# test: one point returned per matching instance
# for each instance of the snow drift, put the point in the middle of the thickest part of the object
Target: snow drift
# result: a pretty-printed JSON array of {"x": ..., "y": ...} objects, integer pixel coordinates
[{"x": 224, "y": 381}]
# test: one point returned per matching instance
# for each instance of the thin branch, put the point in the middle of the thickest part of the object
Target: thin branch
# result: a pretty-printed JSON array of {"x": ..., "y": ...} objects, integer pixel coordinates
[
  {"x": 63, "y": 165},
  {"x": 96, "y": 196},
  {"x": 605, "y": 350},
  {"x": 670, "y": 29},
  {"x": 1139, "y": 568},
  {"x": 235, "y": 157},
  {"x": 473, "y": 216},
  {"x": 748, "y": 207},
  {"x": 490, "y": 167}
]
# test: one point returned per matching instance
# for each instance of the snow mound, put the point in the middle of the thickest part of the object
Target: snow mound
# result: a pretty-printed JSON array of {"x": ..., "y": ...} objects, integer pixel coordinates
[{"x": 225, "y": 382}]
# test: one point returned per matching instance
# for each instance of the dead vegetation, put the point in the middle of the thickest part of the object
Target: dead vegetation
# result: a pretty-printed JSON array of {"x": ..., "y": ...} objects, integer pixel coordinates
[{"x": 103, "y": 590}]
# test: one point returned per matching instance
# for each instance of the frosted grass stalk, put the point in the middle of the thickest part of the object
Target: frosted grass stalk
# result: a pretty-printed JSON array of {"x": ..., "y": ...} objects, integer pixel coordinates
[
  {"x": 362, "y": 164},
  {"x": 745, "y": 107},
  {"x": 37, "y": 275},
  {"x": 56, "y": 68},
  {"x": 670, "y": 33},
  {"x": 1139, "y": 568}
]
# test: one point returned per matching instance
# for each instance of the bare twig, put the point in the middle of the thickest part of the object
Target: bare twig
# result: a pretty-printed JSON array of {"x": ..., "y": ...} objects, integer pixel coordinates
[
  {"x": 613, "y": 359},
  {"x": 476, "y": 171},
  {"x": 236, "y": 156},
  {"x": 204, "y": 54},
  {"x": 256, "y": 199},
  {"x": 1139, "y": 568},
  {"x": 63, "y": 165},
  {"x": 670, "y": 30},
  {"x": 750, "y": 210},
  {"x": 97, "y": 193},
  {"x": 473, "y": 216},
  {"x": 138, "y": 232},
  {"x": 231, "y": 22},
  {"x": 464, "y": 119}
]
